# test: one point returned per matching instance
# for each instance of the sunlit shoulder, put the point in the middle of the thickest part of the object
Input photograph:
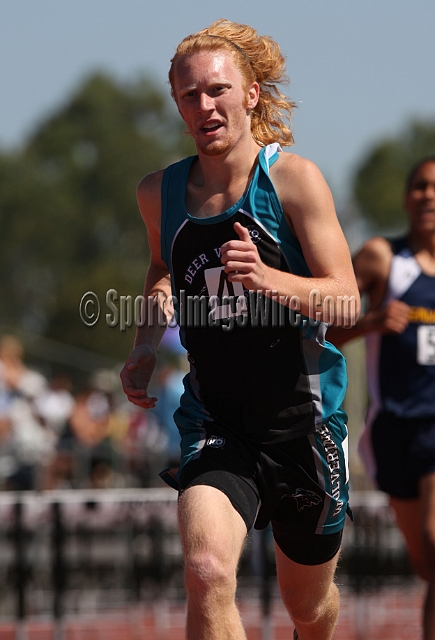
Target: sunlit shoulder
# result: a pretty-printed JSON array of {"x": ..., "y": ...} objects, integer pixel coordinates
[
  {"x": 149, "y": 196},
  {"x": 150, "y": 185},
  {"x": 299, "y": 181}
]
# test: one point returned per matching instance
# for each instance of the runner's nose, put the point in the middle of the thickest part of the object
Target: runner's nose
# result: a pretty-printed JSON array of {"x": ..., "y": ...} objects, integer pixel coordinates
[{"x": 206, "y": 103}]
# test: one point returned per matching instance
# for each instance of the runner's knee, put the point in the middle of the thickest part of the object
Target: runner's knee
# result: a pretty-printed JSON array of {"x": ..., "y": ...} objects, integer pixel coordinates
[
  {"x": 305, "y": 609},
  {"x": 205, "y": 571}
]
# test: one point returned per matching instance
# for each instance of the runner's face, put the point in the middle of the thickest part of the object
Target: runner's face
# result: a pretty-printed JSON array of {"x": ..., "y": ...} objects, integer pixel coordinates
[
  {"x": 420, "y": 199},
  {"x": 213, "y": 101}
]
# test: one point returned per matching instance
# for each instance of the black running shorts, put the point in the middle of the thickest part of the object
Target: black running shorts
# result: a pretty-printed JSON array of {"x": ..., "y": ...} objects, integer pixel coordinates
[{"x": 299, "y": 486}]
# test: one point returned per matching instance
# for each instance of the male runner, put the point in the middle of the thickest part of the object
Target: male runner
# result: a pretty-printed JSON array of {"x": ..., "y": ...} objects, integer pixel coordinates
[
  {"x": 398, "y": 443},
  {"x": 262, "y": 431}
]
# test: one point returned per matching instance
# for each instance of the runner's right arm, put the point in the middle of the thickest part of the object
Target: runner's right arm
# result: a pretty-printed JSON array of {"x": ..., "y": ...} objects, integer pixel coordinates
[{"x": 138, "y": 369}]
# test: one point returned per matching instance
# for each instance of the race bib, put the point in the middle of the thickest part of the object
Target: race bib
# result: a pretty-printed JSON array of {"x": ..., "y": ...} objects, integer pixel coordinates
[
  {"x": 227, "y": 299},
  {"x": 426, "y": 344}
]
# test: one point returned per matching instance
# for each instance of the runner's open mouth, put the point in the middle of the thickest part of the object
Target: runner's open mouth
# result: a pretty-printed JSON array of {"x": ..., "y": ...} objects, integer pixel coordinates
[{"x": 211, "y": 128}]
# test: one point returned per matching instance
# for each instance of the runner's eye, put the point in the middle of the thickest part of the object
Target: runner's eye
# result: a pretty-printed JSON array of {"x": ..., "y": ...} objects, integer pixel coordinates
[{"x": 189, "y": 95}]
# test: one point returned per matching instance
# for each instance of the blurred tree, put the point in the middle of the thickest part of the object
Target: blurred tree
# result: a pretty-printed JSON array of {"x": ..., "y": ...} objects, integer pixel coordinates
[
  {"x": 379, "y": 181},
  {"x": 68, "y": 211}
]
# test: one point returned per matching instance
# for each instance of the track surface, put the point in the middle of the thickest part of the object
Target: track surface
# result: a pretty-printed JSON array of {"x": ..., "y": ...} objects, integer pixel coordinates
[{"x": 386, "y": 614}]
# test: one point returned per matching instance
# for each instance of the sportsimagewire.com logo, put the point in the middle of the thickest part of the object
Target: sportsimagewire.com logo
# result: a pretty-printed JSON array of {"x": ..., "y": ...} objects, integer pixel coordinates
[{"x": 252, "y": 308}]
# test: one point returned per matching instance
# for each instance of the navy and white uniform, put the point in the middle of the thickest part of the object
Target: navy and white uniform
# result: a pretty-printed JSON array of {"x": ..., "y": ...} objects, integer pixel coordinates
[
  {"x": 261, "y": 375},
  {"x": 398, "y": 444}
]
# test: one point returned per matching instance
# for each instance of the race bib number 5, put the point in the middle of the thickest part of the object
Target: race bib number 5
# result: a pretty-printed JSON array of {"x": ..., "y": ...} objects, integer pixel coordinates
[{"x": 426, "y": 344}]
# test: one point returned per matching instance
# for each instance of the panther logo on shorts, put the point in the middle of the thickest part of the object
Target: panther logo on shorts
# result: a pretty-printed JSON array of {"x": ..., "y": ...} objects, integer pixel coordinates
[
  {"x": 216, "y": 442},
  {"x": 305, "y": 498}
]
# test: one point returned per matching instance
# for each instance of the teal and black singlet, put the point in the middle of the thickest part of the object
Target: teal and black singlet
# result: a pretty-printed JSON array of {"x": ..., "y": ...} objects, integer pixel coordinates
[{"x": 278, "y": 373}]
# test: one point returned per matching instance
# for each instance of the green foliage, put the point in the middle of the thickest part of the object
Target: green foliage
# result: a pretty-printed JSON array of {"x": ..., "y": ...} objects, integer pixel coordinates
[
  {"x": 68, "y": 213},
  {"x": 379, "y": 181}
]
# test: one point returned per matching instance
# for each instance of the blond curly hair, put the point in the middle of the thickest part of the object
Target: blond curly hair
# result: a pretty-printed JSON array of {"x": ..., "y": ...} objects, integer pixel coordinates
[{"x": 259, "y": 59}]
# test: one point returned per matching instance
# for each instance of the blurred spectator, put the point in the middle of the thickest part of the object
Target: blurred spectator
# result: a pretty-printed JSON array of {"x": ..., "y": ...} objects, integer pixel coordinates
[
  {"x": 55, "y": 404},
  {"x": 25, "y": 444},
  {"x": 145, "y": 447},
  {"x": 135, "y": 438},
  {"x": 52, "y": 438},
  {"x": 85, "y": 457},
  {"x": 170, "y": 343},
  {"x": 168, "y": 387}
]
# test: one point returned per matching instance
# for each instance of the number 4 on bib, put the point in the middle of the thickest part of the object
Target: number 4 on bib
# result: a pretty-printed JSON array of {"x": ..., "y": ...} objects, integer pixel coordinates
[{"x": 227, "y": 299}]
